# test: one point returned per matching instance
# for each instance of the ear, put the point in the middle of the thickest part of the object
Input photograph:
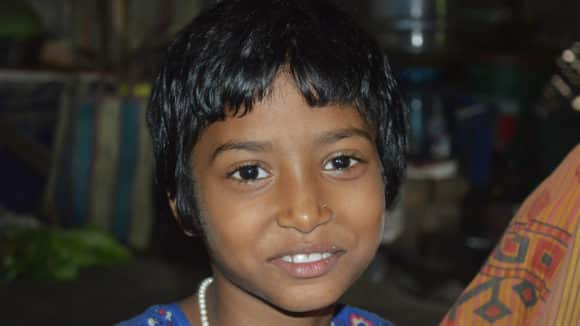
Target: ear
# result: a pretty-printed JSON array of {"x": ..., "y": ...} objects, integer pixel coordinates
[{"x": 173, "y": 206}]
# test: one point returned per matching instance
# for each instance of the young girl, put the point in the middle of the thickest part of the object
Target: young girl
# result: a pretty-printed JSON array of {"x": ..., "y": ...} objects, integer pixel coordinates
[{"x": 278, "y": 135}]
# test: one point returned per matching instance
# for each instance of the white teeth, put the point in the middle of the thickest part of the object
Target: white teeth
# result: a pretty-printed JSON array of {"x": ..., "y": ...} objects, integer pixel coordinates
[{"x": 306, "y": 258}]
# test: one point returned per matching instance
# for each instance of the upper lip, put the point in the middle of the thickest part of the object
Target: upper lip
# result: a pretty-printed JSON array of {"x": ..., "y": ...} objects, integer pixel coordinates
[{"x": 306, "y": 249}]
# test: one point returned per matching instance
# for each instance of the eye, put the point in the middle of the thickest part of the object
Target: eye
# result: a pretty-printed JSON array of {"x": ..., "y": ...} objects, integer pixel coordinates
[
  {"x": 341, "y": 162},
  {"x": 249, "y": 173}
]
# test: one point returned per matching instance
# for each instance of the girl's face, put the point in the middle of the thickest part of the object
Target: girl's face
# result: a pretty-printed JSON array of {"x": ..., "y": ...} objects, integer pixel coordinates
[{"x": 291, "y": 199}]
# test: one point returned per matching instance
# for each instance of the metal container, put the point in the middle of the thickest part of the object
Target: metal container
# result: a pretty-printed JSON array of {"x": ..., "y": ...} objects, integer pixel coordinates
[{"x": 413, "y": 26}]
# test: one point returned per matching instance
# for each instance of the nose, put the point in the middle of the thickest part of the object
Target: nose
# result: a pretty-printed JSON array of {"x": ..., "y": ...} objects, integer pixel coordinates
[{"x": 302, "y": 208}]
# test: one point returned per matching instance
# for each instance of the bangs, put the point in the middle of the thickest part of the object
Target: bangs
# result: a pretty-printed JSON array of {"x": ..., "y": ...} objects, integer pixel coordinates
[{"x": 239, "y": 68}]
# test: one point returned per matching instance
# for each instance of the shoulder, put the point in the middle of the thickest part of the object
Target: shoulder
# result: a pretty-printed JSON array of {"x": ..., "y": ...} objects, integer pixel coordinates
[
  {"x": 351, "y": 316},
  {"x": 158, "y": 315}
]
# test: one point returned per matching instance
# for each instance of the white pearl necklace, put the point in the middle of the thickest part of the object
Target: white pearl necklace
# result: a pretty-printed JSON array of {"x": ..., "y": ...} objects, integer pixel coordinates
[
  {"x": 202, "y": 304},
  {"x": 201, "y": 300}
]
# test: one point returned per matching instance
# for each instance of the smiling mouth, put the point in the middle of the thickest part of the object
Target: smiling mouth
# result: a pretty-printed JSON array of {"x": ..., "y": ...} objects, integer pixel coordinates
[
  {"x": 307, "y": 265},
  {"x": 306, "y": 258}
]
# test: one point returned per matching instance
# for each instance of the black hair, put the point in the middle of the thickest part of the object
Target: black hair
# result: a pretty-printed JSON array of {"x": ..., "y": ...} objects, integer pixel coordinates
[{"x": 227, "y": 59}]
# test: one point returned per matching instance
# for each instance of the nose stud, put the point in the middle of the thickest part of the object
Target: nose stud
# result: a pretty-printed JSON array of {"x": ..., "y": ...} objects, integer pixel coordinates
[
  {"x": 325, "y": 212},
  {"x": 324, "y": 207}
]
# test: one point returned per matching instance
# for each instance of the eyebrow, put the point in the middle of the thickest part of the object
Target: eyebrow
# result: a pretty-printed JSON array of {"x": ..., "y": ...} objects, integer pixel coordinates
[
  {"x": 326, "y": 138},
  {"x": 340, "y": 134},
  {"x": 250, "y": 146}
]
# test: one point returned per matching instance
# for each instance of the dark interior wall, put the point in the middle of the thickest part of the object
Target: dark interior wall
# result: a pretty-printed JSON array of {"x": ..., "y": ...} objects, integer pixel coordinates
[
  {"x": 554, "y": 24},
  {"x": 559, "y": 21}
]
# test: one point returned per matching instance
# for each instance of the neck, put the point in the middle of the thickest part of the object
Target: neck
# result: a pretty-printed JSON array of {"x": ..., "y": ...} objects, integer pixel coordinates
[{"x": 228, "y": 305}]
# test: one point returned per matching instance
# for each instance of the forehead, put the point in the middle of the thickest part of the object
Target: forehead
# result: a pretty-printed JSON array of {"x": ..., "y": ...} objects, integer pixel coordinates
[{"x": 284, "y": 113}]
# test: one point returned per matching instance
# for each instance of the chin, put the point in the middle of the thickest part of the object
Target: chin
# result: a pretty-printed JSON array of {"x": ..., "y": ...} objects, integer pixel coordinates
[
  {"x": 301, "y": 301},
  {"x": 303, "y": 308}
]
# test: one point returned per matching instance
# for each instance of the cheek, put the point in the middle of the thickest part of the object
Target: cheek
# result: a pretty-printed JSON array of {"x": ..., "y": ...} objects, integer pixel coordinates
[
  {"x": 232, "y": 226},
  {"x": 363, "y": 206}
]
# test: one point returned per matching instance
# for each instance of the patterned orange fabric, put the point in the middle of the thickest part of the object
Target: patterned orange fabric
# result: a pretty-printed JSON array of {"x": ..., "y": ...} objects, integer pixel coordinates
[{"x": 533, "y": 275}]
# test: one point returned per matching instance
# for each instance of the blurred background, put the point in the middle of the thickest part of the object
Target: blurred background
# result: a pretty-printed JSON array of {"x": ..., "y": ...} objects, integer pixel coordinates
[{"x": 493, "y": 93}]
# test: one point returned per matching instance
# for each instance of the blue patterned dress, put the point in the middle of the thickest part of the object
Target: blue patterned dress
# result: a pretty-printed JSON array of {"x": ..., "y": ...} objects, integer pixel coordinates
[{"x": 171, "y": 315}]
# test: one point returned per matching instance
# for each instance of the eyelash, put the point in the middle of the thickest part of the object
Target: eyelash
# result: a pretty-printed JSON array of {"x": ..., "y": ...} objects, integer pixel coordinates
[
  {"x": 351, "y": 157},
  {"x": 237, "y": 170}
]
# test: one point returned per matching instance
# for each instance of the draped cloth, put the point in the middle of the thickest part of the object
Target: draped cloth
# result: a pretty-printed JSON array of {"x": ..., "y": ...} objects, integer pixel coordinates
[
  {"x": 101, "y": 175},
  {"x": 533, "y": 275}
]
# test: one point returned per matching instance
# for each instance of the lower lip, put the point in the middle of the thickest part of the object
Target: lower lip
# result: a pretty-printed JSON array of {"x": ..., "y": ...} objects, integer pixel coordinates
[{"x": 308, "y": 270}]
